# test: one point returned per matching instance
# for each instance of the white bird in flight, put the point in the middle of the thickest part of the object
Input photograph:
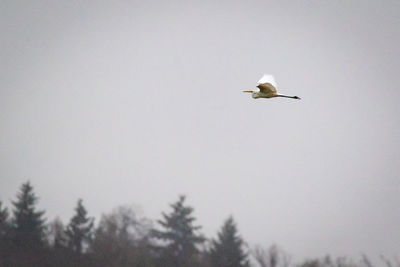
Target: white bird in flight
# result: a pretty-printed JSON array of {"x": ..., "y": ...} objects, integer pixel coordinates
[{"x": 267, "y": 86}]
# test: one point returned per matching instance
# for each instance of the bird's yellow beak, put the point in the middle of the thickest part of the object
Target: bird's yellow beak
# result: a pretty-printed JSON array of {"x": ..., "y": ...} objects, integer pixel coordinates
[{"x": 247, "y": 91}]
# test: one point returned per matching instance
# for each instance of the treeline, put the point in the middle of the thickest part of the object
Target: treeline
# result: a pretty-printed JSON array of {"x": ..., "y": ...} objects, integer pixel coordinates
[{"x": 123, "y": 238}]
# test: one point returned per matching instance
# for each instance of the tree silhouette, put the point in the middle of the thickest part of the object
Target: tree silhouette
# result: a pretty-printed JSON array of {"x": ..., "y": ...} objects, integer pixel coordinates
[
  {"x": 79, "y": 230},
  {"x": 179, "y": 236},
  {"x": 121, "y": 239},
  {"x": 4, "y": 223},
  {"x": 57, "y": 234},
  {"x": 5, "y": 227},
  {"x": 227, "y": 250},
  {"x": 27, "y": 229},
  {"x": 60, "y": 254},
  {"x": 28, "y": 223},
  {"x": 273, "y": 257}
]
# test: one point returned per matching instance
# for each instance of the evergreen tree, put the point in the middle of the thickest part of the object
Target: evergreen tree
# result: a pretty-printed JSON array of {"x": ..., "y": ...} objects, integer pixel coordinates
[
  {"x": 27, "y": 233},
  {"x": 227, "y": 250},
  {"x": 179, "y": 235},
  {"x": 28, "y": 224},
  {"x": 79, "y": 230},
  {"x": 4, "y": 223},
  {"x": 4, "y": 234}
]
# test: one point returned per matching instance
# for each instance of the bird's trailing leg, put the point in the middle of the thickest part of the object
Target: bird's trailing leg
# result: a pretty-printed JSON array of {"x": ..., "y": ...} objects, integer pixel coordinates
[{"x": 287, "y": 96}]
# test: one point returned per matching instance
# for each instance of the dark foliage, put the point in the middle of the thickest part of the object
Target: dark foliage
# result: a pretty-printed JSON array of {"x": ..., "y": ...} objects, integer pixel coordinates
[
  {"x": 27, "y": 231},
  {"x": 79, "y": 234},
  {"x": 122, "y": 239},
  {"x": 179, "y": 236},
  {"x": 227, "y": 250},
  {"x": 5, "y": 241}
]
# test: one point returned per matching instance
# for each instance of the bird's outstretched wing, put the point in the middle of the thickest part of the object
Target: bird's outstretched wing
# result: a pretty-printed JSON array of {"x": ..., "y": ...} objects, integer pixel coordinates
[{"x": 267, "y": 84}]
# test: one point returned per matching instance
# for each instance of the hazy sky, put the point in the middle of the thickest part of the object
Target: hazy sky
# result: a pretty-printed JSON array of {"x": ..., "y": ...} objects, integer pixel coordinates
[{"x": 136, "y": 102}]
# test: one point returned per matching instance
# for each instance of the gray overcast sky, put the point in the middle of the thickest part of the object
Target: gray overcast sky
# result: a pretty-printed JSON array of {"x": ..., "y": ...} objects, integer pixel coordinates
[{"x": 122, "y": 102}]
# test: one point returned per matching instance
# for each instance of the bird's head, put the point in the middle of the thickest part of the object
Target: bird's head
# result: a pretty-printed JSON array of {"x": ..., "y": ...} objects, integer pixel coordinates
[
  {"x": 253, "y": 93},
  {"x": 296, "y": 97}
]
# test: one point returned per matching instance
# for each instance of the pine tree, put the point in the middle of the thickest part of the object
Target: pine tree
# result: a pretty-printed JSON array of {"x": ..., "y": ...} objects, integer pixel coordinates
[
  {"x": 27, "y": 232},
  {"x": 79, "y": 230},
  {"x": 28, "y": 224},
  {"x": 4, "y": 223},
  {"x": 179, "y": 235},
  {"x": 227, "y": 250},
  {"x": 4, "y": 234}
]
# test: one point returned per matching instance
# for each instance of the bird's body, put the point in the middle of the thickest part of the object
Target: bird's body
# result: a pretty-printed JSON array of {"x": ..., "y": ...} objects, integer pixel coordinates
[{"x": 267, "y": 86}]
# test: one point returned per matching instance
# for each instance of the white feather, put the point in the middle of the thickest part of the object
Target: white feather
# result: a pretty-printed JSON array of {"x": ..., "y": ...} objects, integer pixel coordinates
[{"x": 268, "y": 78}]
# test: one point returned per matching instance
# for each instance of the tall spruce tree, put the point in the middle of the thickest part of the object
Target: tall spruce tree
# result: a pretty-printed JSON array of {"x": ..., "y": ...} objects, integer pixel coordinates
[
  {"x": 4, "y": 222},
  {"x": 28, "y": 224},
  {"x": 227, "y": 250},
  {"x": 179, "y": 235},
  {"x": 79, "y": 230},
  {"x": 27, "y": 233},
  {"x": 4, "y": 234}
]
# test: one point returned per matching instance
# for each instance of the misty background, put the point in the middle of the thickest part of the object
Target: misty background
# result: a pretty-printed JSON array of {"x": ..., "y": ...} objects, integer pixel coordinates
[{"x": 136, "y": 102}]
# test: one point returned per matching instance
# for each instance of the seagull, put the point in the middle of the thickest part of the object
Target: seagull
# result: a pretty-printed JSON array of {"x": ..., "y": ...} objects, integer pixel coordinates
[{"x": 267, "y": 86}]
